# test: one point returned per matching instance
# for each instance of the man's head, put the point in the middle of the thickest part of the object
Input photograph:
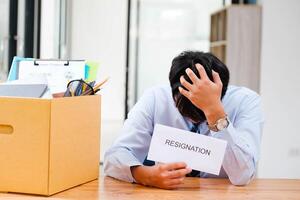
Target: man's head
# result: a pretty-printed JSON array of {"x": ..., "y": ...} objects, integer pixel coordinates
[{"x": 188, "y": 59}]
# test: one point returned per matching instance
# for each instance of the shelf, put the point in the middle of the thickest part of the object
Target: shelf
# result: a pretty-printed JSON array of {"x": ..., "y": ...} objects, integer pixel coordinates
[
  {"x": 219, "y": 52},
  {"x": 235, "y": 40},
  {"x": 218, "y": 26},
  {"x": 218, "y": 43}
]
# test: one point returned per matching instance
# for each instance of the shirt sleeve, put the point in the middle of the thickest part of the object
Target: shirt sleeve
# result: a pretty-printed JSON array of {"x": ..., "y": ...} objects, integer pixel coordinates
[
  {"x": 131, "y": 147},
  {"x": 243, "y": 136}
]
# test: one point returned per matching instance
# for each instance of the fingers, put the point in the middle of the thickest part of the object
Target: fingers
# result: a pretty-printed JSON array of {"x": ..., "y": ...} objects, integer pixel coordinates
[
  {"x": 185, "y": 83},
  {"x": 202, "y": 72},
  {"x": 216, "y": 78},
  {"x": 171, "y": 175},
  {"x": 179, "y": 173},
  {"x": 194, "y": 78},
  {"x": 184, "y": 92},
  {"x": 175, "y": 182},
  {"x": 172, "y": 183},
  {"x": 191, "y": 75},
  {"x": 173, "y": 166}
]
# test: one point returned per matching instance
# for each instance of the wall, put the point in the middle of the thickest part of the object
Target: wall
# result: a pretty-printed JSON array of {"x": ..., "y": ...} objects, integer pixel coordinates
[
  {"x": 166, "y": 29},
  {"x": 4, "y": 38},
  {"x": 97, "y": 32},
  {"x": 280, "y": 89},
  {"x": 49, "y": 29}
]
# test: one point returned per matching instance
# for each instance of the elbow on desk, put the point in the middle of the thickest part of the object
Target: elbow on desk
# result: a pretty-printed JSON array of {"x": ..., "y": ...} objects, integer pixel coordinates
[
  {"x": 111, "y": 170},
  {"x": 114, "y": 168},
  {"x": 242, "y": 182},
  {"x": 243, "y": 178},
  {"x": 109, "y": 167},
  {"x": 243, "y": 172}
]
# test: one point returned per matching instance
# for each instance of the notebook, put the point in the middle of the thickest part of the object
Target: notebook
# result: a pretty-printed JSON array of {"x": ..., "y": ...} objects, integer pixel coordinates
[{"x": 27, "y": 90}]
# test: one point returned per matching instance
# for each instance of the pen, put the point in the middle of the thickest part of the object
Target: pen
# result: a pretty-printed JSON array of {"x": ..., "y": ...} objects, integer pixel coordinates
[
  {"x": 100, "y": 84},
  {"x": 97, "y": 86}
]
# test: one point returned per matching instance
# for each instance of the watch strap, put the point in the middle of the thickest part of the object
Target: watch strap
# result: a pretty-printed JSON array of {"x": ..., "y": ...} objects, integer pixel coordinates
[{"x": 214, "y": 126}]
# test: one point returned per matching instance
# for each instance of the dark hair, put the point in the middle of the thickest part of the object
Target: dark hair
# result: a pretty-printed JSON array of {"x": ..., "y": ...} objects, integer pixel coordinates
[{"x": 188, "y": 59}]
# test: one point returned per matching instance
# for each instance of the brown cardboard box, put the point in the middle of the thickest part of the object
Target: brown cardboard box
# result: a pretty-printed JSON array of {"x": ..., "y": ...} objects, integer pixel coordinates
[{"x": 48, "y": 145}]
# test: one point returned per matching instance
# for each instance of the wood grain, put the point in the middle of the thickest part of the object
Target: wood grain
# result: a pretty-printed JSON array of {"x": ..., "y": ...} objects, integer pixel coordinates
[{"x": 193, "y": 188}]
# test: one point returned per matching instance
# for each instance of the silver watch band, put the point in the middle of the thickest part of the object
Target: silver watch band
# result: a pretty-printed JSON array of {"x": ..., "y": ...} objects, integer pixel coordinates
[{"x": 214, "y": 127}]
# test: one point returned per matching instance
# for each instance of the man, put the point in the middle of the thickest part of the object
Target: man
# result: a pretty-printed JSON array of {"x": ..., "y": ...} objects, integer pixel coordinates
[{"x": 199, "y": 100}]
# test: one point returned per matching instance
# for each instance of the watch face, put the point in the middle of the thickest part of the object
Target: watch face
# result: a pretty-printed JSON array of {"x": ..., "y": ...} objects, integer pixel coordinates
[{"x": 222, "y": 124}]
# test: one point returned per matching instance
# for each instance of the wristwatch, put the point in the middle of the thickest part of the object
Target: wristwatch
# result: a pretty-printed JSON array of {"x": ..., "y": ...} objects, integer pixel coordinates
[{"x": 220, "y": 124}]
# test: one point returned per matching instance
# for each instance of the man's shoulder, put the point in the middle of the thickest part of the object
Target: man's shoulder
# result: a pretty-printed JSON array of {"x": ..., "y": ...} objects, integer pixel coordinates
[
  {"x": 242, "y": 102},
  {"x": 159, "y": 90},
  {"x": 238, "y": 90},
  {"x": 237, "y": 94},
  {"x": 160, "y": 95}
]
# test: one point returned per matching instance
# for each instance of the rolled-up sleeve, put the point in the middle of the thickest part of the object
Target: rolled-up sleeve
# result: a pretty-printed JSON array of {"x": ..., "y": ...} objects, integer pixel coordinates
[
  {"x": 243, "y": 136},
  {"x": 131, "y": 147}
]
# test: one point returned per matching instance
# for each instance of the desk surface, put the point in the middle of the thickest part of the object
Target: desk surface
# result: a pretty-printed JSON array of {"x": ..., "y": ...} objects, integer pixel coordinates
[{"x": 193, "y": 188}]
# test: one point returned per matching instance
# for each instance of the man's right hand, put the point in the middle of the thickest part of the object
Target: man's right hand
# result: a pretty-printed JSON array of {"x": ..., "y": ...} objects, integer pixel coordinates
[{"x": 166, "y": 176}]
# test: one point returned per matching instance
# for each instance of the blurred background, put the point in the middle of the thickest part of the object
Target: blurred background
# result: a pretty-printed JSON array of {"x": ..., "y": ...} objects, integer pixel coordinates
[{"x": 135, "y": 40}]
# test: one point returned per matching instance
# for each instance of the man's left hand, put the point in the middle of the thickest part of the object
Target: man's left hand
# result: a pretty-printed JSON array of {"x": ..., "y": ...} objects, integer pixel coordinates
[{"x": 204, "y": 93}]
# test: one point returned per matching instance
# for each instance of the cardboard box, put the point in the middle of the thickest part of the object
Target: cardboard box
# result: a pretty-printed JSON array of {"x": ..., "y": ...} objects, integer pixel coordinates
[{"x": 48, "y": 145}]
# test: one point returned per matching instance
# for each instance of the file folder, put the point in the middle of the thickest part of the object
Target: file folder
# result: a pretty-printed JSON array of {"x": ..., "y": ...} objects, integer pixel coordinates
[{"x": 30, "y": 90}]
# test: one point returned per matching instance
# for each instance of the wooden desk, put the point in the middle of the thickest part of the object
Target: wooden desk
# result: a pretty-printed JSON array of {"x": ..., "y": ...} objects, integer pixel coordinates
[{"x": 194, "y": 188}]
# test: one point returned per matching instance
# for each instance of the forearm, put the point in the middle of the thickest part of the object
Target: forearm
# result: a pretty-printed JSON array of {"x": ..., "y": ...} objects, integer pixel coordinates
[
  {"x": 140, "y": 174},
  {"x": 239, "y": 166},
  {"x": 117, "y": 164},
  {"x": 239, "y": 161},
  {"x": 214, "y": 112}
]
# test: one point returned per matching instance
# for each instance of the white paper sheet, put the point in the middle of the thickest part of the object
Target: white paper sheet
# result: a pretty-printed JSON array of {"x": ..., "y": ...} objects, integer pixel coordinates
[
  {"x": 57, "y": 74},
  {"x": 200, "y": 152},
  {"x": 40, "y": 79}
]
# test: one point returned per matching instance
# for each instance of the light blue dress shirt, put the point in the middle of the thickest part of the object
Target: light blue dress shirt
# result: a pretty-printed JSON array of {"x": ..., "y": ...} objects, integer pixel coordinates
[{"x": 243, "y": 134}]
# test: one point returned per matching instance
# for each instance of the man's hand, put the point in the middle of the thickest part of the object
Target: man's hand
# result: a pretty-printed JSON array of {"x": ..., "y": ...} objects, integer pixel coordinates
[
  {"x": 166, "y": 176},
  {"x": 204, "y": 93}
]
